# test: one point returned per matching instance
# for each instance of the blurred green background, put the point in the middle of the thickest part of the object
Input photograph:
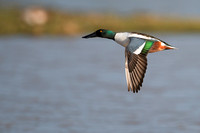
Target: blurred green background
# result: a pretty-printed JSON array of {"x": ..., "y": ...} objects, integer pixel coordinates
[{"x": 73, "y": 18}]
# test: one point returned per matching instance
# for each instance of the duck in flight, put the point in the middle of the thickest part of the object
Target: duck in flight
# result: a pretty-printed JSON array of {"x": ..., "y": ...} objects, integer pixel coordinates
[{"x": 137, "y": 46}]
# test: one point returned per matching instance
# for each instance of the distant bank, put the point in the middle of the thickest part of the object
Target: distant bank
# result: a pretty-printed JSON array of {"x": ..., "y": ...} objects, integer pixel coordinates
[{"x": 39, "y": 21}]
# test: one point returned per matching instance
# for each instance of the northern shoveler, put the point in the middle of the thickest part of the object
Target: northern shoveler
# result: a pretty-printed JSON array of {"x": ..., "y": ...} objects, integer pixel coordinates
[{"x": 137, "y": 46}]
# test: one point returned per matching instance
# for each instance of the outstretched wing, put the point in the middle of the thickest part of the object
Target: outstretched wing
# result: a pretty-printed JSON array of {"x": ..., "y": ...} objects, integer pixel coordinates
[
  {"x": 136, "y": 62},
  {"x": 135, "y": 68}
]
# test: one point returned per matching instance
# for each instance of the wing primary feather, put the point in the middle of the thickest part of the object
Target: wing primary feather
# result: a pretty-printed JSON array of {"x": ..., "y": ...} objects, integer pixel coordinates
[
  {"x": 136, "y": 81},
  {"x": 132, "y": 82},
  {"x": 135, "y": 78},
  {"x": 128, "y": 74},
  {"x": 139, "y": 75},
  {"x": 135, "y": 68}
]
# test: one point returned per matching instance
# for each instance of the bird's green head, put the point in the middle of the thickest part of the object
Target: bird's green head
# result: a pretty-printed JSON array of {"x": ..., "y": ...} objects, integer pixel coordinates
[{"x": 101, "y": 33}]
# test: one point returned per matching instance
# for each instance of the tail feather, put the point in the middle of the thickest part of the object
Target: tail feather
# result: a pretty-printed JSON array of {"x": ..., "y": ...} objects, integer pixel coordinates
[{"x": 169, "y": 47}]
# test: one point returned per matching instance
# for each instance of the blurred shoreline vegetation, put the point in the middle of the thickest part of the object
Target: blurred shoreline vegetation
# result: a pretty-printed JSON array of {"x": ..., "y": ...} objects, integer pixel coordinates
[{"x": 41, "y": 21}]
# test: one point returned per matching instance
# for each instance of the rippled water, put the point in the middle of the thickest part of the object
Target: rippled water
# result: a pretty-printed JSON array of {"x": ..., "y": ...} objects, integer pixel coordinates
[{"x": 71, "y": 85}]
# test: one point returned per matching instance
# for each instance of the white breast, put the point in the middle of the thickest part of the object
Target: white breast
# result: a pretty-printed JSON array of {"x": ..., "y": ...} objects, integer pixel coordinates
[{"x": 122, "y": 38}]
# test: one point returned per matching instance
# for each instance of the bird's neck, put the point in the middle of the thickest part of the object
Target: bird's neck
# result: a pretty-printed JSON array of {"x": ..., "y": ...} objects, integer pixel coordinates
[{"x": 109, "y": 35}]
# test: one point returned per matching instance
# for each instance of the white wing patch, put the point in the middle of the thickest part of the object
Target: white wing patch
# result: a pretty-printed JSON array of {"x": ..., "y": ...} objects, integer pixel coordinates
[
  {"x": 136, "y": 45},
  {"x": 139, "y": 50},
  {"x": 141, "y": 36}
]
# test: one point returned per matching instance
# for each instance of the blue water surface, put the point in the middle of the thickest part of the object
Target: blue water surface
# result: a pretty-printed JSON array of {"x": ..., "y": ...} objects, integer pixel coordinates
[{"x": 74, "y": 85}]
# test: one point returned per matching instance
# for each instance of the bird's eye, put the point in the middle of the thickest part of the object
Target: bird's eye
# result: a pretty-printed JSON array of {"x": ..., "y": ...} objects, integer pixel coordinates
[{"x": 101, "y": 31}]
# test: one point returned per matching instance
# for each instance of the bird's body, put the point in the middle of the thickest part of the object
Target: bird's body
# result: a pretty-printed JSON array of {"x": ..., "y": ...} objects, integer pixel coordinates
[
  {"x": 137, "y": 46},
  {"x": 125, "y": 38}
]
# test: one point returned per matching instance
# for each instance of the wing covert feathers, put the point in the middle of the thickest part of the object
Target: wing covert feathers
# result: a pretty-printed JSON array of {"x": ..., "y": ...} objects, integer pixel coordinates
[{"x": 135, "y": 68}]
